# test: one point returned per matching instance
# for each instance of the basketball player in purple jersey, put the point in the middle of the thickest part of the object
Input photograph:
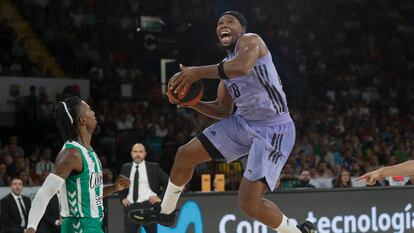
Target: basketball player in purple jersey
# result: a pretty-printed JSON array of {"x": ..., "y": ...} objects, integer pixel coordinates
[{"x": 261, "y": 127}]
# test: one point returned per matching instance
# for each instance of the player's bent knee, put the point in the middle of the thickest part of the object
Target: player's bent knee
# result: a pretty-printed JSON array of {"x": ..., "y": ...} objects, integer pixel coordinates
[
  {"x": 191, "y": 154},
  {"x": 184, "y": 157},
  {"x": 180, "y": 155}
]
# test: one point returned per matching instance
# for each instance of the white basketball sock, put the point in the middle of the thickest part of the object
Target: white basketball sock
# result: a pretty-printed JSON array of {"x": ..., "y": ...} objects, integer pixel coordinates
[
  {"x": 169, "y": 202},
  {"x": 287, "y": 226}
]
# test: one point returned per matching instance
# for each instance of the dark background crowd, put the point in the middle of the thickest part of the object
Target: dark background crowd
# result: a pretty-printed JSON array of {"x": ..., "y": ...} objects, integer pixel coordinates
[{"x": 347, "y": 68}]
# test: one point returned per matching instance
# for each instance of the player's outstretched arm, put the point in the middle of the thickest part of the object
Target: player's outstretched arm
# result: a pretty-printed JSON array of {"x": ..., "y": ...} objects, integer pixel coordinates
[
  {"x": 122, "y": 182},
  {"x": 402, "y": 169},
  {"x": 218, "y": 109},
  {"x": 67, "y": 161},
  {"x": 249, "y": 48}
]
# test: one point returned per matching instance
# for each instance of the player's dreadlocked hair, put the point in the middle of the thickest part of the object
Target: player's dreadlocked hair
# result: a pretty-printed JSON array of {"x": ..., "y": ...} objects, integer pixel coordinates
[{"x": 66, "y": 117}]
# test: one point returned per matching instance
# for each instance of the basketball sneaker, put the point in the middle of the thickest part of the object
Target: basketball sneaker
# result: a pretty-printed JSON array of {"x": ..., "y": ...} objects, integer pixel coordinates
[
  {"x": 152, "y": 215},
  {"x": 307, "y": 227}
]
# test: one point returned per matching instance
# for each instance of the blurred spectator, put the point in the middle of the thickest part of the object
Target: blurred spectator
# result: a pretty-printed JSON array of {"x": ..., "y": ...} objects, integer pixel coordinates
[
  {"x": 372, "y": 163},
  {"x": 4, "y": 178},
  {"x": 13, "y": 148},
  {"x": 348, "y": 159},
  {"x": 45, "y": 109},
  {"x": 45, "y": 164},
  {"x": 108, "y": 173},
  {"x": 343, "y": 180},
  {"x": 155, "y": 144},
  {"x": 288, "y": 178},
  {"x": 13, "y": 59},
  {"x": 304, "y": 179},
  {"x": 26, "y": 179},
  {"x": 108, "y": 176},
  {"x": 34, "y": 156},
  {"x": 161, "y": 129},
  {"x": 333, "y": 156},
  {"x": 392, "y": 160},
  {"x": 323, "y": 170},
  {"x": 8, "y": 161},
  {"x": 18, "y": 166},
  {"x": 410, "y": 181},
  {"x": 124, "y": 122},
  {"x": 356, "y": 170}
]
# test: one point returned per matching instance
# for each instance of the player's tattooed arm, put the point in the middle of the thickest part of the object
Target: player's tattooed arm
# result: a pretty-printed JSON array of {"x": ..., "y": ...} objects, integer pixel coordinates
[{"x": 68, "y": 160}]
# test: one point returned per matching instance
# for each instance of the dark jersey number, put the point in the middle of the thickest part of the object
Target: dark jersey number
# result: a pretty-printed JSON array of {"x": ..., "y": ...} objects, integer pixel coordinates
[{"x": 235, "y": 89}]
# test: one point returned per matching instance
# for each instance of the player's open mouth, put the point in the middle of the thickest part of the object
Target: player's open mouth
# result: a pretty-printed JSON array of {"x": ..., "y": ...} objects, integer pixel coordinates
[{"x": 225, "y": 36}]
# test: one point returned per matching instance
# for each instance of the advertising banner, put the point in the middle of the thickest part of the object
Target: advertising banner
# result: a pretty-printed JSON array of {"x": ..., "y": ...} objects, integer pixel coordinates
[{"x": 335, "y": 211}]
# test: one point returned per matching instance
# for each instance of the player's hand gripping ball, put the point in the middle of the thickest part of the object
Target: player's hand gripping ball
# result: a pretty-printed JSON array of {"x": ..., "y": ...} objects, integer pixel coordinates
[{"x": 186, "y": 98}]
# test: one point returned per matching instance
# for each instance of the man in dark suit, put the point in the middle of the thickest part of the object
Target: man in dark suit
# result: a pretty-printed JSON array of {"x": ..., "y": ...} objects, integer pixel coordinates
[
  {"x": 15, "y": 208},
  {"x": 148, "y": 181}
]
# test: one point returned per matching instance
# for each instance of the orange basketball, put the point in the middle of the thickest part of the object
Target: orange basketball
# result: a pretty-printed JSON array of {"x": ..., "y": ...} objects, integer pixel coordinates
[{"x": 189, "y": 98}]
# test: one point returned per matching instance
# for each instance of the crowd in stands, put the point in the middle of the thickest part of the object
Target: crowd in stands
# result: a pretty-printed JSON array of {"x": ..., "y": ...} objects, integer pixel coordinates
[
  {"x": 14, "y": 60},
  {"x": 346, "y": 67}
]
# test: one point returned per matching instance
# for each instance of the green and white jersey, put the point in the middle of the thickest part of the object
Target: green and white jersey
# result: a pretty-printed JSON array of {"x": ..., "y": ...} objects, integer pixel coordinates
[{"x": 82, "y": 194}]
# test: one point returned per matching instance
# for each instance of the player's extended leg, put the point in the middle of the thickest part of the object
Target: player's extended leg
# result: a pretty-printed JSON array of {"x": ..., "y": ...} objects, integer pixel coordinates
[
  {"x": 186, "y": 159},
  {"x": 251, "y": 201}
]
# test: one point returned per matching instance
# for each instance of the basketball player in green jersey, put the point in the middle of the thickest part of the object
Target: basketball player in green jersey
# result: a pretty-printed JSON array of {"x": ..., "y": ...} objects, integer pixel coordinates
[{"x": 78, "y": 174}]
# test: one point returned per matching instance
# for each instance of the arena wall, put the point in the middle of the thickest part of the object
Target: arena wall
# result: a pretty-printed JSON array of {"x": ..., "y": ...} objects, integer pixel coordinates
[{"x": 336, "y": 211}]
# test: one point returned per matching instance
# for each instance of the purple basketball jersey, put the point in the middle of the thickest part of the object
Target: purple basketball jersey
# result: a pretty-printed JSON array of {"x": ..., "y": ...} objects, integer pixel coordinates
[{"x": 258, "y": 95}]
